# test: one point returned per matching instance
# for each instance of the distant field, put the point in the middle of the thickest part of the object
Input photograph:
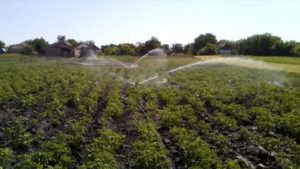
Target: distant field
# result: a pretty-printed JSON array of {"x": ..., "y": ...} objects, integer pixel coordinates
[{"x": 278, "y": 59}]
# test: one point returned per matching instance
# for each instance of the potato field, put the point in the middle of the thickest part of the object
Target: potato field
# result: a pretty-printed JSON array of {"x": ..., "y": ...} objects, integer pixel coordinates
[{"x": 57, "y": 115}]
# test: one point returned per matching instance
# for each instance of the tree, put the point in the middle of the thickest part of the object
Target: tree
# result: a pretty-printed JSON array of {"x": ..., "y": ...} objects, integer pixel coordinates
[
  {"x": 261, "y": 44},
  {"x": 111, "y": 50},
  {"x": 177, "y": 48},
  {"x": 295, "y": 51},
  {"x": 187, "y": 49},
  {"x": 73, "y": 42},
  {"x": 39, "y": 44},
  {"x": 166, "y": 47},
  {"x": 2, "y": 44},
  {"x": 202, "y": 40},
  {"x": 28, "y": 50},
  {"x": 127, "y": 49},
  {"x": 153, "y": 43},
  {"x": 209, "y": 49},
  {"x": 61, "y": 38}
]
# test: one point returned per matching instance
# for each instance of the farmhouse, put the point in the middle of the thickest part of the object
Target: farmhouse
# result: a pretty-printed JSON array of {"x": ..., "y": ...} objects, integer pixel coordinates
[
  {"x": 86, "y": 50},
  {"x": 224, "y": 49},
  {"x": 17, "y": 48},
  {"x": 60, "y": 48}
]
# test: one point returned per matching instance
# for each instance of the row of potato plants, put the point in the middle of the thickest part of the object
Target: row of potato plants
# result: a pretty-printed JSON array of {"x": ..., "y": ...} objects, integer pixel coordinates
[
  {"x": 248, "y": 102},
  {"x": 63, "y": 90}
]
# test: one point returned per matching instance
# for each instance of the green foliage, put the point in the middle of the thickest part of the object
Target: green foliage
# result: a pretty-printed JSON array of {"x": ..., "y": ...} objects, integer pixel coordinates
[
  {"x": 19, "y": 137},
  {"x": 177, "y": 48},
  {"x": 295, "y": 51},
  {"x": 195, "y": 151},
  {"x": 232, "y": 165},
  {"x": 148, "y": 151},
  {"x": 267, "y": 45},
  {"x": 178, "y": 116},
  {"x": 188, "y": 48},
  {"x": 209, "y": 49},
  {"x": 6, "y": 156},
  {"x": 225, "y": 122},
  {"x": 102, "y": 149},
  {"x": 151, "y": 44},
  {"x": 103, "y": 160},
  {"x": 207, "y": 40},
  {"x": 114, "y": 107},
  {"x": 28, "y": 50},
  {"x": 265, "y": 121},
  {"x": 39, "y": 45},
  {"x": 50, "y": 113},
  {"x": 289, "y": 124},
  {"x": 2, "y": 44},
  {"x": 74, "y": 42},
  {"x": 150, "y": 155},
  {"x": 244, "y": 134},
  {"x": 127, "y": 49},
  {"x": 51, "y": 155}
]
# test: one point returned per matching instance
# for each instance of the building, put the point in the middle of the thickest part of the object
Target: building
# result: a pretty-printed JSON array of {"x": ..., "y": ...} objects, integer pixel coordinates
[
  {"x": 87, "y": 50},
  {"x": 224, "y": 49},
  {"x": 60, "y": 48},
  {"x": 17, "y": 48}
]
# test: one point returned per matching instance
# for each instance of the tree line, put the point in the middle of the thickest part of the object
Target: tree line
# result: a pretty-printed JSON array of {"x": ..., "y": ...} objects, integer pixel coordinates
[{"x": 205, "y": 44}]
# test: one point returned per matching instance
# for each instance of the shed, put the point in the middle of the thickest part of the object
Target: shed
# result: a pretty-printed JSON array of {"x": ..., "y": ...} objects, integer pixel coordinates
[
  {"x": 87, "y": 50},
  {"x": 60, "y": 48}
]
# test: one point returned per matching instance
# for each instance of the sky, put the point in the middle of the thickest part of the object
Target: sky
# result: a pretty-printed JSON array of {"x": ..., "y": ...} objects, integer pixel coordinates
[{"x": 131, "y": 21}]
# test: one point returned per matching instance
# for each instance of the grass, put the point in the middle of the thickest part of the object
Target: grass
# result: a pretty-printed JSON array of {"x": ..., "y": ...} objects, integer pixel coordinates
[{"x": 278, "y": 59}]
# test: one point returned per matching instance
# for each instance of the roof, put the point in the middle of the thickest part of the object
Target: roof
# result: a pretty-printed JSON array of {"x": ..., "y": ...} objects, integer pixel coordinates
[
  {"x": 18, "y": 46},
  {"x": 62, "y": 44}
]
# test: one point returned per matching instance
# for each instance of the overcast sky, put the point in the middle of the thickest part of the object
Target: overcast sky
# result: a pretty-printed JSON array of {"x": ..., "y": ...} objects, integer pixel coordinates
[{"x": 119, "y": 21}]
